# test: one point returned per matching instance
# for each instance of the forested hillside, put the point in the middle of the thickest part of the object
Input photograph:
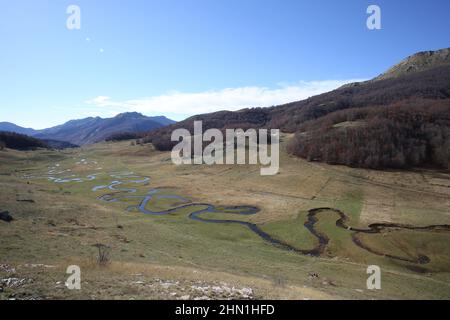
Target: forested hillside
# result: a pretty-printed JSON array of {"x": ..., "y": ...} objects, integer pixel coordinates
[
  {"x": 407, "y": 134},
  {"x": 18, "y": 141},
  {"x": 395, "y": 122}
]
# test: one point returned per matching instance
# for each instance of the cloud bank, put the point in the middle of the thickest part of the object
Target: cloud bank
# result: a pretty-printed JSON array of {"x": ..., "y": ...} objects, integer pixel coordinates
[{"x": 181, "y": 105}]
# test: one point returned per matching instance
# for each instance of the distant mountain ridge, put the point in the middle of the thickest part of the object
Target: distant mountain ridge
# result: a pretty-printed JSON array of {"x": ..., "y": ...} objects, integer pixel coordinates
[
  {"x": 11, "y": 127},
  {"x": 92, "y": 129}
]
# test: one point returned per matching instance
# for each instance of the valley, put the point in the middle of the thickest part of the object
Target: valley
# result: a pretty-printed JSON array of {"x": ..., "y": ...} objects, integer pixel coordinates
[
  {"x": 241, "y": 152},
  {"x": 308, "y": 232}
]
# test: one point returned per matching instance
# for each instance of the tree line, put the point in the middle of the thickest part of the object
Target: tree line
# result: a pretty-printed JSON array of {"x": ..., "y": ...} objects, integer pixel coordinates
[{"x": 18, "y": 141}]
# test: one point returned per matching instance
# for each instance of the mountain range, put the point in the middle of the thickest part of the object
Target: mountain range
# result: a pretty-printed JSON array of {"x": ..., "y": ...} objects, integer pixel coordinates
[{"x": 92, "y": 129}]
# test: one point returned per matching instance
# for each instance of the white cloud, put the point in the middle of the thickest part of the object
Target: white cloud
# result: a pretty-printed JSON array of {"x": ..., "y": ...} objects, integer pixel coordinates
[{"x": 180, "y": 105}]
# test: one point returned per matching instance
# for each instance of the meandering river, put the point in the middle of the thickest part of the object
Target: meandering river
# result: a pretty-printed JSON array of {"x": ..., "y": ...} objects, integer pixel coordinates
[{"x": 144, "y": 201}]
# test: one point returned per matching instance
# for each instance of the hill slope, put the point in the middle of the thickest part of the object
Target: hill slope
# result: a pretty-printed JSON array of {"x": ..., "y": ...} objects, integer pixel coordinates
[
  {"x": 19, "y": 141},
  {"x": 418, "y": 99},
  {"x": 418, "y": 62}
]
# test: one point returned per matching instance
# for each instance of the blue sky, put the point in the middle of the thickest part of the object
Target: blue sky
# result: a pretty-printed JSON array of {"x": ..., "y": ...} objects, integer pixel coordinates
[{"x": 181, "y": 57}]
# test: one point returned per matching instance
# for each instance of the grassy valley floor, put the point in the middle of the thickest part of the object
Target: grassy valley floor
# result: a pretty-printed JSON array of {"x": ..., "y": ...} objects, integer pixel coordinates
[{"x": 55, "y": 198}]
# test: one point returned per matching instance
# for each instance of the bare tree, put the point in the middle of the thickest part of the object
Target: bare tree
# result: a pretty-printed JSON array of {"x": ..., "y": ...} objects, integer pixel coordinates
[{"x": 103, "y": 258}]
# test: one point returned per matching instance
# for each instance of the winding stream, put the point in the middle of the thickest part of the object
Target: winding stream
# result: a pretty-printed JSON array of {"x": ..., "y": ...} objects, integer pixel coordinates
[
  {"x": 312, "y": 216},
  {"x": 312, "y": 219}
]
